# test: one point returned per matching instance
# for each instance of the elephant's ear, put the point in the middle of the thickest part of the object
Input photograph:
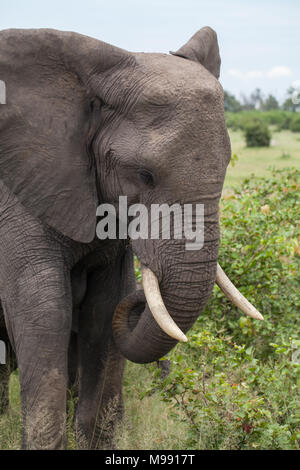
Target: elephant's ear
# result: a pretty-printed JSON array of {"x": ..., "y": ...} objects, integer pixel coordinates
[
  {"x": 45, "y": 124},
  {"x": 203, "y": 48}
]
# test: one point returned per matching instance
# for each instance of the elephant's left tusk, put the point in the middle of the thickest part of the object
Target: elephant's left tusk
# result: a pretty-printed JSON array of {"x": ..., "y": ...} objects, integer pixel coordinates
[
  {"x": 157, "y": 306},
  {"x": 235, "y": 296}
]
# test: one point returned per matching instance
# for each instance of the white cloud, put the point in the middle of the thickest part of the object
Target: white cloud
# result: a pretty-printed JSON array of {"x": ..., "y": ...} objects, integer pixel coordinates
[
  {"x": 235, "y": 73},
  {"x": 279, "y": 71},
  {"x": 254, "y": 74},
  {"x": 275, "y": 72}
]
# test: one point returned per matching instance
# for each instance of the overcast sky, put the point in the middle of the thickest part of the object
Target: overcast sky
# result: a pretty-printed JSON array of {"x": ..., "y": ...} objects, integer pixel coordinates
[{"x": 259, "y": 39}]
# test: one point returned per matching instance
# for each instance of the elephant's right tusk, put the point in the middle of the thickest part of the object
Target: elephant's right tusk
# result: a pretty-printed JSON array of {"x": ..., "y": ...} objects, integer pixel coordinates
[
  {"x": 157, "y": 306},
  {"x": 235, "y": 296}
]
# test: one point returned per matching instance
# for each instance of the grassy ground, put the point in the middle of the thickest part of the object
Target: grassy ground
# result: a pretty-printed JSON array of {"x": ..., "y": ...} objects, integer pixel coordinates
[
  {"x": 10, "y": 423},
  {"x": 148, "y": 421},
  {"x": 284, "y": 151},
  {"x": 147, "y": 424}
]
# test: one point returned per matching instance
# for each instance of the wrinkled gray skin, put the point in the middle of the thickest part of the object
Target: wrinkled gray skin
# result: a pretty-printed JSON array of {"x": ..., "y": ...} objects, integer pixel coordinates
[{"x": 84, "y": 123}]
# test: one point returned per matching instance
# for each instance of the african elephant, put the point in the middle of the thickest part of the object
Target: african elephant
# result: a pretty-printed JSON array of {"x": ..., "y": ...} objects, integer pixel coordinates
[{"x": 85, "y": 123}]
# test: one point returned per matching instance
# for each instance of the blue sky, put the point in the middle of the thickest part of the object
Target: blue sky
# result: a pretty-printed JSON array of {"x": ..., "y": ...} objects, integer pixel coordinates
[{"x": 259, "y": 39}]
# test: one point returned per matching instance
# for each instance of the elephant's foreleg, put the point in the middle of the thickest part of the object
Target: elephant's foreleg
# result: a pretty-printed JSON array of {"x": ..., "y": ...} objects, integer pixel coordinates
[
  {"x": 36, "y": 298},
  {"x": 101, "y": 365},
  {"x": 41, "y": 344},
  {"x": 100, "y": 405},
  {"x": 72, "y": 365},
  {"x": 44, "y": 398}
]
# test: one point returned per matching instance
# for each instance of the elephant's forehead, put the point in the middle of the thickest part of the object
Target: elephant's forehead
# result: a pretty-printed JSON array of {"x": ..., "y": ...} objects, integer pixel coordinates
[{"x": 172, "y": 78}]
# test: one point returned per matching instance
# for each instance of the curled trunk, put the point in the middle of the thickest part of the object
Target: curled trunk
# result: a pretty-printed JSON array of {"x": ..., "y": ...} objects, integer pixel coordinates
[{"x": 186, "y": 282}]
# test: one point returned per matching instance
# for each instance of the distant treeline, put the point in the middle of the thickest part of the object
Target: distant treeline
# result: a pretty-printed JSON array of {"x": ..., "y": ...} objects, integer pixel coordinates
[
  {"x": 265, "y": 110},
  {"x": 281, "y": 119},
  {"x": 257, "y": 101}
]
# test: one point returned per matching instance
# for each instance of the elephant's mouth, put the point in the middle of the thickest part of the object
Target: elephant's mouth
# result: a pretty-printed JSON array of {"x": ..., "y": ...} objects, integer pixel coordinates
[
  {"x": 126, "y": 318},
  {"x": 130, "y": 310},
  {"x": 135, "y": 312}
]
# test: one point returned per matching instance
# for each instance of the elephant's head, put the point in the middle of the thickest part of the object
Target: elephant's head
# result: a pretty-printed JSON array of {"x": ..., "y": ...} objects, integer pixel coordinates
[{"x": 85, "y": 123}]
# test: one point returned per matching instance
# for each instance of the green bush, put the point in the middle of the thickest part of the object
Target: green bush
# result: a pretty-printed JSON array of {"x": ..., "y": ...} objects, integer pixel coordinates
[
  {"x": 237, "y": 121},
  {"x": 233, "y": 121},
  {"x": 257, "y": 134},
  {"x": 235, "y": 382},
  {"x": 295, "y": 124},
  {"x": 280, "y": 119}
]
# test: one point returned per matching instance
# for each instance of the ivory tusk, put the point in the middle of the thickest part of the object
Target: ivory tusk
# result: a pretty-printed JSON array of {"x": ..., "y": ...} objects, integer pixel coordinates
[
  {"x": 235, "y": 296},
  {"x": 157, "y": 306}
]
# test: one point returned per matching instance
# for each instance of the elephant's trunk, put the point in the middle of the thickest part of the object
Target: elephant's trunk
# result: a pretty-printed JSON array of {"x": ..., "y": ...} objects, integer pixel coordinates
[
  {"x": 157, "y": 306},
  {"x": 185, "y": 282}
]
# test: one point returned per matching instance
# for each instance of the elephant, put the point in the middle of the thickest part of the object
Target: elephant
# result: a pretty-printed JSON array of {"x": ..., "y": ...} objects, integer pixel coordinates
[{"x": 83, "y": 124}]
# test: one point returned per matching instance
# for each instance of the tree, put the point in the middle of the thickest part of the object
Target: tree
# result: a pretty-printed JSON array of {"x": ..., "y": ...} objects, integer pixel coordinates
[
  {"x": 269, "y": 103},
  {"x": 288, "y": 105},
  {"x": 247, "y": 104},
  {"x": 254, "y": 101},
  {"x": 256, "y": 98},
  {"x": 231, "y": 103}
]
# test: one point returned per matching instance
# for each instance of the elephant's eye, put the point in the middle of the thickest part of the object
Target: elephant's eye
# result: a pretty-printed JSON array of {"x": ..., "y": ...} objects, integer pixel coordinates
[{"x": 146, "y": 177}]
